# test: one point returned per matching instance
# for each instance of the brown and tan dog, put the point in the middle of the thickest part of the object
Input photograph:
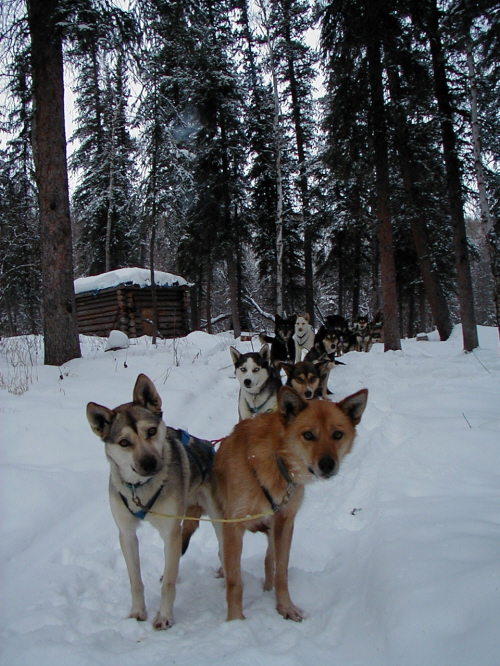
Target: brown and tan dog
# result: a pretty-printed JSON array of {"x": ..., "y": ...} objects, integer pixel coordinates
[
  {"x": 262, "y": 467},
  {"x": 154, "y": 470},
  {"x": 308, "y": 378}
]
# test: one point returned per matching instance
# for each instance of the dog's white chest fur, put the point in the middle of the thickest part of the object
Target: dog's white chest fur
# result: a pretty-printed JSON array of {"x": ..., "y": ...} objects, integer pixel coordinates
[{"x": 303, "y": 337}]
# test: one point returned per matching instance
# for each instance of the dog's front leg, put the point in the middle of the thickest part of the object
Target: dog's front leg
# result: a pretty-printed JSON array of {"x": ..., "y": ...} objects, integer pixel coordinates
[
  {"x": 232, "y": 537},
  {"x": 130, "y": 549},
  {"x": 269, "y": 562},
  {"x": 172, "y": 538},
  {"x": 283, "y": 532}
]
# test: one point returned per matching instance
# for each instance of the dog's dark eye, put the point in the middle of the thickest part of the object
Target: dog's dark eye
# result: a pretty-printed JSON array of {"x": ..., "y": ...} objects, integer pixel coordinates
[
  {"x": 299, "y": 380},
  {"x": 308, "y": 435},
  {"x": 256, "y": 370},
  {"x": 338, "y": 434},
  {"x": 243, "y": 370},
  {"x": 124, "y": 443},
  {"x": 152, "y": 432}
]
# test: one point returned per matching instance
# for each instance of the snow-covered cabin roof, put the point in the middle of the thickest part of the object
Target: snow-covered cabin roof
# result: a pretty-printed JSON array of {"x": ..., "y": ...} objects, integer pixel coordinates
[{"x": 137, "y": 276}]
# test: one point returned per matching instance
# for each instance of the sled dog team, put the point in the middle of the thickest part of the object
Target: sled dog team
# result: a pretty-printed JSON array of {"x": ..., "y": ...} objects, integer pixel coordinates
[
  {"x": 306, "y": 358},
  {"x": 254, "y": 481}
]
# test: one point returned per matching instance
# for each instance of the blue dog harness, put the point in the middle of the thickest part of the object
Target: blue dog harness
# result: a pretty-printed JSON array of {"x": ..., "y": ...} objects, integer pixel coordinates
[
  {"x": 260, "y": 408},
  {"x": 142, "y": 513},
  {"x": 184, "y": 436}
]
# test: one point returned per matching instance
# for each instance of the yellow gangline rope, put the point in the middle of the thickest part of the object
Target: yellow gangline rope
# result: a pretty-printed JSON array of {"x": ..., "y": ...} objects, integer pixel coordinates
[{"x": 208, "y": 520}]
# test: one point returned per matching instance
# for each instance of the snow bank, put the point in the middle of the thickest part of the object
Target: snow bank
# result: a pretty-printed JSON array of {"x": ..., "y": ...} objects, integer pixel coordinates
[{"x": 395, "y": 561}]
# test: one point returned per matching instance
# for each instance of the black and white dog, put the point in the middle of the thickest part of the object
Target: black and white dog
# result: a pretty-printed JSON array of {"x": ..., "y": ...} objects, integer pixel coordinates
[
  {"x": 283, "y": 344},
  {"x": 259, "y": 382}
]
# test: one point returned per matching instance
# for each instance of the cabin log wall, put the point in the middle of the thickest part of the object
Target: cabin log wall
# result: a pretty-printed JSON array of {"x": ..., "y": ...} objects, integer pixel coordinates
[{"x": 128, "y": 308}]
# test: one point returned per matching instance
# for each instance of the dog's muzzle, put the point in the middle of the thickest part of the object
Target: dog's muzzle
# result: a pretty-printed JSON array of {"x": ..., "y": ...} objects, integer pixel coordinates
[
  {"x": 327, "y": 467},
  {"x": 148, "y": 465}
]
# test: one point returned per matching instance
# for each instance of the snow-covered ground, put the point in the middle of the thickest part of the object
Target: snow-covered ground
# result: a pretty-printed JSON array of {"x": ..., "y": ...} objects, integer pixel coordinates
[{"x": 396, "y": 561}]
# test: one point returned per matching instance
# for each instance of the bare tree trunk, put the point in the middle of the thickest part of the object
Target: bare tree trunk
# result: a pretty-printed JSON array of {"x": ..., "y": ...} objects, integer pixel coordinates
[
  {"x": 208, "y": 304},
  {"x": 277, "y": 131},
  {"x": 12, "y": 326},
  {"x": 476, "y": 141},
  {"x": 341, "y": 278},
  {"x": 375, "y": 301},
  {"x": 411, "y": 315},
  {"x": 152, "y": 203},
  {"x": 60, "y": 328},
  {"x": 109, "y": 216},
  {"x": 301, "y": 154},
  {"x": 453, "y": 182},
  {"x": 409, "y": 173},
  {"x": 356, "y": 286},
  {"x": 488, "y": 222},
  {"x": 154, "y": 299},
  {"x": 232, "y": 239},
  {"x": 117, "y": 101},
  {"x": 96, "y": 92},
  {"x": 422, "y": 309},
  {"x": 392, "y": 339},
  {"x": 194, "y": 300},
  {"x": 233, "y": 290}
]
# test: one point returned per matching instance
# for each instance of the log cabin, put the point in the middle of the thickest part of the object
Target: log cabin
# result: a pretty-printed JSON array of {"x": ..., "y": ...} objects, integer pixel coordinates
[{"x": 123, "y": 300}]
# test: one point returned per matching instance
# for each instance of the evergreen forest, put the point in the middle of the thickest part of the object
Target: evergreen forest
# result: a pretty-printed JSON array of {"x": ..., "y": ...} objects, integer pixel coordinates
[{"x": 283, "y": 156}]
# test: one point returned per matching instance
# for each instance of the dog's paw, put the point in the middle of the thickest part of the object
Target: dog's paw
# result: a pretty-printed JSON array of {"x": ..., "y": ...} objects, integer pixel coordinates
[
  {"x": 161, "y": 622},
  {"x": 219, "y": 573},
  {"x": 140, "y": 615},
  {"x": 235, "y": 616},
  {"x": 290, "y": 612}
]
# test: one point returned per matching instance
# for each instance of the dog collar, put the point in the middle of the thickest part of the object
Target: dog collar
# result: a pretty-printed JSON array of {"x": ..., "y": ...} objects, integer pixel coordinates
[
  {"x": 143, "y": 511},
  {"x": 133, "y": 486},
  {"x": 256, "y": 410},
  {"x": 290, "y": 487}
]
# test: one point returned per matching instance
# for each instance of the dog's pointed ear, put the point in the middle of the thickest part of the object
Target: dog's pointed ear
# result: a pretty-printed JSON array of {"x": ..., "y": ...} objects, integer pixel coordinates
[
  {"x": 265, "y": 353},
  {"x": 354, "y": 405},
  {"x": 306, "y": 317},
  {"x": 146, "y": 395},
  {"x": 235, "y": 354},
  {"x": 290, "y": 404},
  {"x": 287, "y": 367},
  {"x": 100, "y": 419}
]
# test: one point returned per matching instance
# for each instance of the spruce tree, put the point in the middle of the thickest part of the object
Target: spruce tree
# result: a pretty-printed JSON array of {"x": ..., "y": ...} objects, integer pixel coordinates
[
  {"x": 61, "y": 342},
  {"x": 20, "y": 280},
  {"x": 291, "y": 20},
  {"x": 104, "y": 198},
  {"x": 220, "y": 160},
  {"x": 357, "y": 30},
  {"x": 430, "y": 17}
]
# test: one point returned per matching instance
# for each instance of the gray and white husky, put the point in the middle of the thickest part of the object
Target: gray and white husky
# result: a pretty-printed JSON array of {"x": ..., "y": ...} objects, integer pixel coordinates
[
  {"x": 259, "y": 381},
  {"x": 154, "y": 469}
]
